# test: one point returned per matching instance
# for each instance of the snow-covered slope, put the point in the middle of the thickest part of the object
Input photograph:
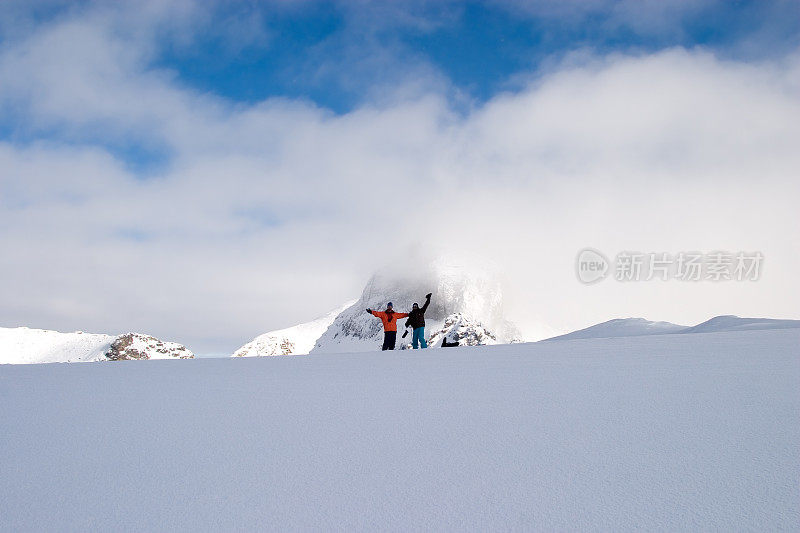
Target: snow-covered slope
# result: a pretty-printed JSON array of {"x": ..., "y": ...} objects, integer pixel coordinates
[
  {"x": 634, "y": 327},
  {"x": 296, "y": 340},
  {"x": 735, "y": 323},
  {"x": 25, "y": 345},
  {"x": 622, "y": 327},
  {"x": 651, "y": 433},
  {"x": 471, "y": 296}
]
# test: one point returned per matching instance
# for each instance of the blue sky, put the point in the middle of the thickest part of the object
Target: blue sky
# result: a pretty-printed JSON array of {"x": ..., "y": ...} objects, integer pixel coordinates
[
  {"x": 208, "y": 171},
  {"x": 343, "y": 55},
  {"x": 249, "y": 51},
  {"x": 334, "y": 55}
]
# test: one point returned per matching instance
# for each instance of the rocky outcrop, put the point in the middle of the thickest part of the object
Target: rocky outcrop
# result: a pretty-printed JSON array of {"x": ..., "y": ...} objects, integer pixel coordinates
[
  {"x": 463, "y": 330},
  {"x": 267, "y": 345},
  {"x": 139, "y": 346}
]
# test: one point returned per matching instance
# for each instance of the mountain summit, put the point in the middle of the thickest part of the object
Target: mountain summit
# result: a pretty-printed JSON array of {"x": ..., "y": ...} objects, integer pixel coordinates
[{"x": 466, "y": 307}]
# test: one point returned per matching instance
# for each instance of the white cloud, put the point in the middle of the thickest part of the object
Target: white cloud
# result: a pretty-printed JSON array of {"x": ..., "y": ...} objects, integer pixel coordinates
[{"x": 273, "y": 213}]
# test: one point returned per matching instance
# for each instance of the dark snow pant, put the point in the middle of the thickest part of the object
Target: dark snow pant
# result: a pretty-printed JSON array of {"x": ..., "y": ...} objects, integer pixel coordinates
[{"x": 389, "y": 338}]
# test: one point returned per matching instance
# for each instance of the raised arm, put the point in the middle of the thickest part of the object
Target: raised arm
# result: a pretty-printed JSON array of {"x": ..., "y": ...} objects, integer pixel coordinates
[{"x": 427, "y": 301}]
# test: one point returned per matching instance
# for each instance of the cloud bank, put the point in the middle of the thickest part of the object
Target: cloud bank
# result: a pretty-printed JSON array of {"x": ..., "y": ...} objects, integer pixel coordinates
[{"x": 248, "y": 217}]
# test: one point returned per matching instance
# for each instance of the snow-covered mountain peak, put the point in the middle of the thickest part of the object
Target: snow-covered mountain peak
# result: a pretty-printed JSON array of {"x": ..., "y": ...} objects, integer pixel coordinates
[
  {"x": 296, "y": 340},
  {"x": 472, "y": 293},
  {"x": 466, "y": 305},
  {"x": 635, "y": 327},
  {"x": 456, "y": 288},
  {"x": 735, "y": 323},
  {"x": 622, "y": 327}
]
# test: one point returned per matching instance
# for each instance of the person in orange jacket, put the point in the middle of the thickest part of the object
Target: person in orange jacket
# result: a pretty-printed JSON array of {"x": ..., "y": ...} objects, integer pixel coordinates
[{"x": 389, "y": 319}]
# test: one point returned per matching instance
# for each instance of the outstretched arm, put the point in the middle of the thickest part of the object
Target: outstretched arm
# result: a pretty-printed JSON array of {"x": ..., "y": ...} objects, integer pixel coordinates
[
  {"x": 427, "y": 301},
  {"x": 401, "y": 315}
]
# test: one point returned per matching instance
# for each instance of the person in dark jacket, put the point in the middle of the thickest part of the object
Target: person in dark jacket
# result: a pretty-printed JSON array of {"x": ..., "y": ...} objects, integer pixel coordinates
[
  {"x": 416, "y": 320},
  {"x": 389, "y": 319}
]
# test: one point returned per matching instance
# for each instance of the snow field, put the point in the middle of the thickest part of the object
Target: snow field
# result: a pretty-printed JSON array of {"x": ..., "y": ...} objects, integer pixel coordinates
[{"x": 658, "y": 433}]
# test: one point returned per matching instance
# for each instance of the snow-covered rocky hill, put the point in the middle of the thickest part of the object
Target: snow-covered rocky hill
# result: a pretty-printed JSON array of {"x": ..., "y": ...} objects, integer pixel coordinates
[
  {"x": 139, "y": 346},
  {"x": 25, "y": 345},
  {"x": 636, "y": 327},
  {"x": 295, "y": 340},
  {"x": 466, "y": 307}
]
